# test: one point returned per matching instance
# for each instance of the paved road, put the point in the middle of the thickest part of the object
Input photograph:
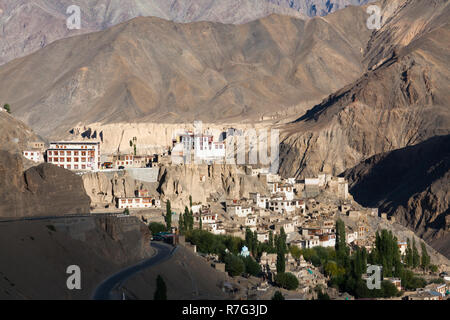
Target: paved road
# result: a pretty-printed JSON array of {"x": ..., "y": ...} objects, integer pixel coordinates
[{"x": 104, "y": 290}]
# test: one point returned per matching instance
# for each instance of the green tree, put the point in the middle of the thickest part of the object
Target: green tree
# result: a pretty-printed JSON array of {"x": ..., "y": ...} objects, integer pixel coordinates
[
  {"x": 189, "y": 219},
  {"x": 425, "y": 259},
  {"x": 270, "y": 239},
  {"x": 251, "y": 266},
  {"x": 200, "y": 223},
  {"x": 135, "y": 151},
  {"x": 408, "y": 255},
  {"x": 342, "y": 251},
  {"x": 249, "y": 239},
  {"x": 168, "y": 217},
  {"x": 161, "y": 289},
  {"x": 416, "y": 256},
  {"x": 281, "y": 250},
  {"x": 234, "y": 265},
  {"x": 295, "y": 251},
  {"x": 126, "y": 212},
  {"x": 156, "y": 227},
  {"x": 181, "y": 226},
  {"x": 255, "y": 244},
  {"x": 287, "y": 280},
  {"x": 7, "y": 107},
  {"x": 190, "y": 201},
  {"x": 277, "y": 296}
]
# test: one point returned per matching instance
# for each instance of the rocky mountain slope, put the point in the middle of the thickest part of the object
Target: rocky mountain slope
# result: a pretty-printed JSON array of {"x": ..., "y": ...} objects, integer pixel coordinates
[
  {"x": 175, "y": 183},
  {"x": 401, "y": 100},
  {"x": 29, "y": 190},
  {"x": 153, "y": 70},
  {"x": 45, "y": 190},
  {"x": 15, "y": 135},
  {"x": 36, "y": 254},
  {"x": 29, "y": 25},
  {"x": 412, "y": 184}
]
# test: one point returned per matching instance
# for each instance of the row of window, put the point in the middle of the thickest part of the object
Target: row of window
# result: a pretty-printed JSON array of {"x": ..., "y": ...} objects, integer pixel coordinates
[
  {"x": 65, "y": 147},
  {"x": 69, "y": 159},
  {"x": 69, "y": 153},
  {"x": 75, "y": 167}
]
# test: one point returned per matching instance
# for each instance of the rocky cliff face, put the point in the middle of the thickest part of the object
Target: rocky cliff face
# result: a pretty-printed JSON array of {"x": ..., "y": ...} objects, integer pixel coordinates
[
  {"x": 413, "y": 185},
  {"x": 45, "y": 190},
  {"x": 175, "y": 183},
  {"x": 202, "y": 181},
  {"x": 401, "y": 100}
]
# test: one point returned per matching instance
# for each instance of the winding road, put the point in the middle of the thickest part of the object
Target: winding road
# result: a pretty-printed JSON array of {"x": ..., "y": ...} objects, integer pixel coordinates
[{"x": 104, "y": 290}]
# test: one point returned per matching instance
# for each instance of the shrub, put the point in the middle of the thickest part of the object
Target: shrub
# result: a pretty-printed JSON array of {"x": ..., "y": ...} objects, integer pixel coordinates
[
  {"x": 251, "y": 266},
  {"x": 277, "y": 296},
  {"x": 156, "y": 227},
  {"x": 234, "y": 265},
  {"x": 287, "y": 280}
]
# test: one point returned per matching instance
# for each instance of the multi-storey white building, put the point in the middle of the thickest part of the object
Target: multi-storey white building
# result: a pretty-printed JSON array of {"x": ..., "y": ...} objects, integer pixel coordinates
[
  {"x": 74, "y": 155},
  {"x": 286, "y": 206},
  {"x": 201, "y": 146},
  {"x": 236, "y": 209},
  {"x": 260, "y": 201},
  {"x": 284, "y": 189}
]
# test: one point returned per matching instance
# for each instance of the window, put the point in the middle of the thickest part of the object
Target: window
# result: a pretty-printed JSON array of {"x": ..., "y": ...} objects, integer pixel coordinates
[
  {"x": 50, "y": 159},
  {"x": 61, "y": 159},
  {"x": 83, "y": 166},
  {"x": 76, "y": 159},
  {"x": 55, "y": 160},
  {"x": 75, "y": 153},
  {"x": 75, "y": 166},
  {"x": 69, "y": 166},
  {"x": 83, "y": 153},
  {"x": 69, "y": 153}
]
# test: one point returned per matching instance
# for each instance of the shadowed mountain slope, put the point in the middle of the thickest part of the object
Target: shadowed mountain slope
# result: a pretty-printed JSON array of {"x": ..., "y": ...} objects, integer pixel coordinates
[{"x": 413, "y": 185}]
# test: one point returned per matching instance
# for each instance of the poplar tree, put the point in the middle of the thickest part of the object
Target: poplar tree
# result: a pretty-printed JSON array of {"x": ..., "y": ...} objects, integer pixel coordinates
[
  {"x": 168, "y": 217},
  {"x": 161, "y": 289},
  {"x": 416, "y": 256},
  {"x": 425, "y": 260}
]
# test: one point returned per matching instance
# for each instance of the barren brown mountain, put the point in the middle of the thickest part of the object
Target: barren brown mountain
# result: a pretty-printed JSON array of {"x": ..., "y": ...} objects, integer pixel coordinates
[
  {"x": 402, "y": 98},
  {"x": 153, "y": 70},
  {"x": 29, "y": 25}
]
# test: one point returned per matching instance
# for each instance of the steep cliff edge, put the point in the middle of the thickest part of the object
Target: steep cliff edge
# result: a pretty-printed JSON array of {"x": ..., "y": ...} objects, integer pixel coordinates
[
  {"x": 45, "y": 190},
  {"x": 175, "y": 183},
  {"x": 413, "y": 185}
]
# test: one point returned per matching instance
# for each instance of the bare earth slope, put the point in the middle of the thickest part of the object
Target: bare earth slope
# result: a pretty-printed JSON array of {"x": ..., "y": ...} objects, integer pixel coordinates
[
  {"x": 36, "y": 254},
  {"x": 153, "y": 70},
  {"x": 412, "y": 184},
  {"x": 401, "y": 100}
]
